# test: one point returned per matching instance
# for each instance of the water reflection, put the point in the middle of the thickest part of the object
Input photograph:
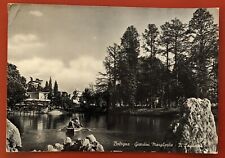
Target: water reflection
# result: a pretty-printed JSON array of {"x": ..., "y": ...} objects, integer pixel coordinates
[{"x": 40, "y": 130}]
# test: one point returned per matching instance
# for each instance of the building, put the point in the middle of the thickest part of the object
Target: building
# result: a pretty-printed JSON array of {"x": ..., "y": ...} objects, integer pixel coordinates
[{"x": 36, "y": 95}]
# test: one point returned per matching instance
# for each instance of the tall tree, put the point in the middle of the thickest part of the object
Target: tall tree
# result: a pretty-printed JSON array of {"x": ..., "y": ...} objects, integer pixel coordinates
[
  {"x": 174, "y": 45},
  {"x": 150, "y": 39},
  {"x": 165, "y": 43},
  {"x": 46, "y": 87},
  {"x": 179, "y": 41},
  {"x": 55, "y": 89},
  {"x": 130, "y": 47},
  {"x": 111, "y": 67},
  {"x": 165, "y": 48},
  {"x": 50, "y": 88},
  {"x": 204, "y": 49}
]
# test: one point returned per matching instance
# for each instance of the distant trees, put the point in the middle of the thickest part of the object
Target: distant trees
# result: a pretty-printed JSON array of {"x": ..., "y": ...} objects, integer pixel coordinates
[
  {"x": 75, "y": 95},
  {"x": 50, "y": 89},
  {"x": 16, "y": 86},
  {"x": 91, "y": 99},
  {"x": 46, "y": 87},
  {"x": 179, "y": 61}
]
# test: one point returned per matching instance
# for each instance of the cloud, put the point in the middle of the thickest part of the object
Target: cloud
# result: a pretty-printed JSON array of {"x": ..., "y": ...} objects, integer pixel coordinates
[
  {"x": 36, "y": 13},
  {"x": 78, "y": 75},
  {"x": 21, "y": 38},
  {"x": 20, "y": 44}
]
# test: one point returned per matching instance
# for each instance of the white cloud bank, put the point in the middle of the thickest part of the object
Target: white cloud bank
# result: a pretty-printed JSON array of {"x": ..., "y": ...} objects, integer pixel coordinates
[
  {"x": 20, "y": 44},
  {"x": 78, "y": 75}
]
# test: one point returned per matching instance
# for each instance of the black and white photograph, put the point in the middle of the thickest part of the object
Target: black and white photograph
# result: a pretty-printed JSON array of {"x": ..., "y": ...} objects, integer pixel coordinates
[{"x": 112, "y": 79}]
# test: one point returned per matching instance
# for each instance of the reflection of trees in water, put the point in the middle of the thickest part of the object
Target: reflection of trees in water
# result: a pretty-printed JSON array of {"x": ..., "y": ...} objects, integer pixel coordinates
[
  {"x": 144, "y": 125},
  {"x": 53, "y": 122},
  {"x": 87, "y": 118},
  {"x": 38, "y": 122},
  {"x": 117, "y": 121},
  {"x": 93, "y": 120}
]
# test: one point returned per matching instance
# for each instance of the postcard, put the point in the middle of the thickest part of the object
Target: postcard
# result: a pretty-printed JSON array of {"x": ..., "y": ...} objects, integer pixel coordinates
[{"x": 112, "y": 79}]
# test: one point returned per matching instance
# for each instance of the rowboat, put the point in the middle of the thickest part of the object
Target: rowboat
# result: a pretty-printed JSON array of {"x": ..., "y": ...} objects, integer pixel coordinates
[
  {"x": 68, "y": 129},
  {"x": 72, "y": 130}
]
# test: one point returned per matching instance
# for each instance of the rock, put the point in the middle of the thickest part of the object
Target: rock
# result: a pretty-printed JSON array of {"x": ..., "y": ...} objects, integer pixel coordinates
[
  {"x": 13, "y": 139},
  {"x": 195, "y": 131}
]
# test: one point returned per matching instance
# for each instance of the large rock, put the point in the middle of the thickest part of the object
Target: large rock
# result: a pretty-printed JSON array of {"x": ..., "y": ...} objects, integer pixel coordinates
[
  {"x": 195, "y": 131},
  {"x": 13, "y": 139}
]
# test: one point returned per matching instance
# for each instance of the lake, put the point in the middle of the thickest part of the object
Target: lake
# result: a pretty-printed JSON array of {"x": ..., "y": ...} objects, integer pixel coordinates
[{"x": 115, "y": 132}]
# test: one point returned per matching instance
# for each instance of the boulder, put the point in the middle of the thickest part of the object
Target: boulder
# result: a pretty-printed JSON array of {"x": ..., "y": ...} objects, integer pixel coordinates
[
  {"x": 195, "y": 131},
  {"x": 13, "y": 139}
]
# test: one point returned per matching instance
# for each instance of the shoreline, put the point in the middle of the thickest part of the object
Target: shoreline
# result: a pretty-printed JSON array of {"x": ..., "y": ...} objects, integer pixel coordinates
[{"x": 125, "y": 111}]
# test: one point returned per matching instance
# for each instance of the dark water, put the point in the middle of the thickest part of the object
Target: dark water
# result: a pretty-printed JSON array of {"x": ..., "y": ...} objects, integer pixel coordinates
[{"x": 114, "y": 132}]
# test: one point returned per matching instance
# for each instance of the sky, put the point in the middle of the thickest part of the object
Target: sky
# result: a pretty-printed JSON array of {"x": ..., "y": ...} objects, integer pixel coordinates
[{"x": 69, "y": 43}]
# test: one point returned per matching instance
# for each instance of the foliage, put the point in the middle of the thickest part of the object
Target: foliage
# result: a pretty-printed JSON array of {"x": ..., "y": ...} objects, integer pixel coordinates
[
  {"x": 179, "y": 61},
  {"x": 204, "y": 51},
  {"x": 16, "y": 86}
]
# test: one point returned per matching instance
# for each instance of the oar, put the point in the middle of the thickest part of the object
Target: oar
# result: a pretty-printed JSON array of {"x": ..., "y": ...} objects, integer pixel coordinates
[
  {"x": 64, "y": 128},
  {"x": 82, "y": 128}
]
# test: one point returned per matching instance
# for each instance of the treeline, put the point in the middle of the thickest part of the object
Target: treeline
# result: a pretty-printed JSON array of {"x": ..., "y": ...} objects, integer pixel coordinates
[
  {"x": 17, "y": 88},
  {"x": 178, "y": 61},
  {"x": 59, "y": 99}
]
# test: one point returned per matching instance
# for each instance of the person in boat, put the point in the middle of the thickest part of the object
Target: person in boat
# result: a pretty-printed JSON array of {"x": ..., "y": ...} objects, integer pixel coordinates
[
  {"x": 77, "y": 123},
  {"x": 71, "y": 124}
]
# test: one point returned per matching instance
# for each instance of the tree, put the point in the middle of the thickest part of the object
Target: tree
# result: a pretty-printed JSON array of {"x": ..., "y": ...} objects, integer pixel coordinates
[
  {"x": 50, "y": 88},
  {"x": 165, "y": 43},
  {"x": 204, "y": 50},
  {"x": 46, "y": 87},
  {"x": 150, "y": 39},
  {"x": 130, "y": 46},
  {"x": 87, "y": 97},
  {"x": 16, "y": 86},
  {"x": 55, "y": 89},
  {"x": 111, "y": 67},
  {"x": 166, "y": 46},
  {"x": 186, "y": 77},
  {"x": 150, "y": 79},
  {"x": 75, "y": 94},
  {"x": 56, "y": 95},
  {"x": 178, "y": 39},
  {"x": 66, "y": 102},
  {"x": 174, "y": 43}
]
